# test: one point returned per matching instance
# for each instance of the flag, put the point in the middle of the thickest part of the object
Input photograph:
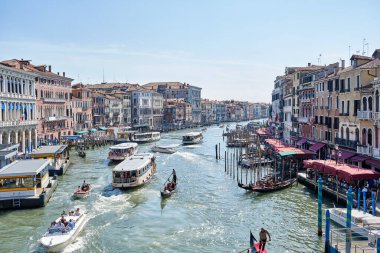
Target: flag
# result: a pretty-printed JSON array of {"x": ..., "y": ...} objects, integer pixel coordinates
[{"x": 252, "y": 240}]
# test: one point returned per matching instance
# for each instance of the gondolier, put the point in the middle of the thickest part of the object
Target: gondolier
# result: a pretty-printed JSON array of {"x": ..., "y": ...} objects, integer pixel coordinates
[
  {"x": 263, "y": 238},
  {"x": 174, "y": 176}
]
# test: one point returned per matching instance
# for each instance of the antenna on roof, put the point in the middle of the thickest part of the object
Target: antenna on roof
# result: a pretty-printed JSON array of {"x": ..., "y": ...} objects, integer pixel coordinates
[
  {"x": 103, "y": 75},
  {"x": 349, "y": 51},
  {"x": 319, "y": 59},
  {"x": 363, "y": 52}
]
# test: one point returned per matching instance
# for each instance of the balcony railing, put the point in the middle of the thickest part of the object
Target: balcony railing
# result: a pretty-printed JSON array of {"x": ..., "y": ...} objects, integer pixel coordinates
[
  {"x": 303, "y": 119},
  {"x": 376, "y": 152},
  {"x": 346, "y": 143},
  {"x": 365, "y": 150},
  {"x": 376, "y": 115},
  {"x": 18, "y": 123},
  {"x": 364, "y": 115},
  {"x": 55, "y": 100},
  {"x": 295, "y": 134}
]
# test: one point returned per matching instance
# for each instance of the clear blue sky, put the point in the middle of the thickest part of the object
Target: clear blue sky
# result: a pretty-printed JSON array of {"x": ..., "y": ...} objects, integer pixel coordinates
[{"x": 232, "y": 49}]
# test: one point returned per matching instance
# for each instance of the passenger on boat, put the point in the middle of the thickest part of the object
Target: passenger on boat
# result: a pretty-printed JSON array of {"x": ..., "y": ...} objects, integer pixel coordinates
[
  {"x": 71, "y": 224},
  {"x": 85, "y": 186},
  {"x": 77, "y": 213},
  {"x": 263, "y": 239}
]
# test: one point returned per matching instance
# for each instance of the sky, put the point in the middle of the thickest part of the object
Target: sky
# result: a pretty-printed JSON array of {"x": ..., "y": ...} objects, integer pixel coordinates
[{"x": 232, "y": 49}]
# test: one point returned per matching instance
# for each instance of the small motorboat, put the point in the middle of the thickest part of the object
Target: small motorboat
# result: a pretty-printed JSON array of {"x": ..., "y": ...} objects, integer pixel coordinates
[
  {"x": 57, "y": 238},
  {"x": 82, "y": 191},
  {"x": 170, "y": 185},
  {"x": 81, "y": 153},
  {"x": 164, "y": 149}
]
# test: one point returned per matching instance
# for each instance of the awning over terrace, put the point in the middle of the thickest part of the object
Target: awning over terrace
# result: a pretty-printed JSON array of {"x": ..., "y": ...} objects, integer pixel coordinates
[
  {"x": 284, "y": 149},
  {"x": 263, "y": 132},
  {"x": 346, "y": 172},
  {"x": 317, "y": 146}
]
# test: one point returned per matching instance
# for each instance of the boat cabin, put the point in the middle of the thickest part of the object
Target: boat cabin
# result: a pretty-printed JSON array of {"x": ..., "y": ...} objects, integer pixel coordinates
[
  {"x": 58, "y": 156},
  {"x": 24, "y": 178},
  {"x": 192, "y": 138},
  {"x": 146, "y": 137},
  {"x": 122, "y": 151},
  {"x": 125, "y": 136},
  {"x": 134, "y": 171}
]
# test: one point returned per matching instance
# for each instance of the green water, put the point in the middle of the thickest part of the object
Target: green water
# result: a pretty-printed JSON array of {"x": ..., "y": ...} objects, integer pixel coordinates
[{"x": 209, "y": 213}]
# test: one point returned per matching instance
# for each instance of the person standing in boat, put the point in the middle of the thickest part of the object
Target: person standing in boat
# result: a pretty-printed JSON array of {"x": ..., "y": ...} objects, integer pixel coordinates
[
  {"x": 263, "y": 239},
  {"x": 174, "y": 176}
]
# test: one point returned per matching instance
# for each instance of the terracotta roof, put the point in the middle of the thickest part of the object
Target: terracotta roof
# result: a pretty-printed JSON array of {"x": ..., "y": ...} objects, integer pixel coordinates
[
  {"x": 345, "y": 70},
  {"x": 371, "y": 65},
  {"x": 361, "y": 57}
]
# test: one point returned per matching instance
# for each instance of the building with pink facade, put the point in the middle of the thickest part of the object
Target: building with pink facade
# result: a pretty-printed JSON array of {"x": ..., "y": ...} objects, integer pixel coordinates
[
  {"x": 81, "y": 107},
  {"x": 53, "y": 93}
]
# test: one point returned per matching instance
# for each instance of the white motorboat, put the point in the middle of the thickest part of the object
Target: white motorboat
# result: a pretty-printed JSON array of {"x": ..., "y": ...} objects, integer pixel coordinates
[
  {"x": 121, "y": 151},
  {"x": 56, "y": 239},
  {"x": 147, "y": 137},
  {"x": 164, "y": 149},
  {"x": 134, "y": 171},
  {"x": 192, "y": 138},
  {"x": 361, "y": 223}
]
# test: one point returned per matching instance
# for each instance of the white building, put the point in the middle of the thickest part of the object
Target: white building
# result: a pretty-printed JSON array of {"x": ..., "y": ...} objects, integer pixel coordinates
[{"x": 18, "y": 122}]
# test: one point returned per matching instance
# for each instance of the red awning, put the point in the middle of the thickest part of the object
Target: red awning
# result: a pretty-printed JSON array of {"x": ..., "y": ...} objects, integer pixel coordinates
[
  {"x": 317, "y": 146},
  {"x": 359, "y": 158},
  {"x": 373, "y": 162},
  {"x": 345, "y": 154},
  {"x": 300, "y": 142},
  {"x": 343, "y": 171}
]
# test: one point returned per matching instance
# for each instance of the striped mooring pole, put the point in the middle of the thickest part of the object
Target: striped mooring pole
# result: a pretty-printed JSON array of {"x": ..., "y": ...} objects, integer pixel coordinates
[
  {"x": 348, "y": 220},
  {"x": 373, "y": 204},
  {"x": 320, "y": 206},
  {"x": 365, "y": 199}
]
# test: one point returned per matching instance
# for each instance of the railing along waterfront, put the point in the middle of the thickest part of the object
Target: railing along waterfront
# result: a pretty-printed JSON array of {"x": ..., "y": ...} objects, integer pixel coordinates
[{"x": 346, "y": 143}]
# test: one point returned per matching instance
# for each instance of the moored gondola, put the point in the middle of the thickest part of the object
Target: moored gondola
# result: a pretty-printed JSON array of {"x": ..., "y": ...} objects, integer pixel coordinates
[{"x": 267, "y": 186}]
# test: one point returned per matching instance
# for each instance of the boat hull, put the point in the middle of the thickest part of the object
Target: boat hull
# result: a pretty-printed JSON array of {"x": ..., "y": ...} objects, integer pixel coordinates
[
  {"x": 55, "y": 244},
  {"x": 140, "y": 181},
  {"x": 166, "y": 194},
  {"x": 164, "y": 150}
]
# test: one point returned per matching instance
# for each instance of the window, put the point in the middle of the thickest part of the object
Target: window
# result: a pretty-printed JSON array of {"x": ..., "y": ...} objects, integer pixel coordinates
[
  {"x": 348, "y": 108},
  {"x": 342, "y": 85},
  {"x": 357, "y": 82},
  {"x": 337, "y": 102},
  {"x": 348, "y": 84},
  {"x": 342, "y": 107},
  {"x": 336, "y": 84}
]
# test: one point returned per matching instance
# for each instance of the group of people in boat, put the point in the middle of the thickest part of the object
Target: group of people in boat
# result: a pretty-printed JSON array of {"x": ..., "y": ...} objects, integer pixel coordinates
[
  {"x": 63, "y": 225},
  {"x": 85, "y": 187}
]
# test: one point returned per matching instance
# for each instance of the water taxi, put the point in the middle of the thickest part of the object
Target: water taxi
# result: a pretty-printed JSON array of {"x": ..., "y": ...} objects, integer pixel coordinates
[
  {"x": 57, "y": 238},
  {"x": 82, "y": 191},
  {"x": 192, "y": 138},
  {"x": 26, "y": 184},
  {"x": 146, "y": 137},
  {"x": 125, "y": 136},
  {"x": 134, "y": 171},
  {"x": 121, "y": 151},
  {"x": 361, "y": 223},
  {"x": 164, "y": 149},
  {"x": 58, "y": 155}
]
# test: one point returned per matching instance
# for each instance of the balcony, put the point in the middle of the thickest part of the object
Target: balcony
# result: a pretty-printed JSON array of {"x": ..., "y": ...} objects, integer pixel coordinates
[
  {"x": 52, "y": 119},
  {"x": 364, "y": 150},
  {"x": 54, "y": 100},
  {"x": 346, "y": 143},
  {"x": 305, "y": 100},
  {"x": 303, "y": 119},
  {"x": 18, "y": 123},
  {"x": 376, "y": 115},
  {"x": 365, "y": 115},
  {"x": 294, "y": 134},
  {"x": 376, "y": 153}
]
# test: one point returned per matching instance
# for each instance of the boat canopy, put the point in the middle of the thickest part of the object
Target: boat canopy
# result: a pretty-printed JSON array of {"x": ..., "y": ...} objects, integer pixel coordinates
[
  {"x": 93, "y": 129},
  {"x": 124, "y": 145},
  {"x": 48, "y": 150},
  {"x": 263, "y": 132},
  {"x": 81, "y": 132},
  {"x": 72, "y": 137},
  {"x": 103, "y": 128},
  {"x": 193, "y": 134},
  {"x": 24, "y": 168},
  {"x": 344, "y": 171},
  {"x": 134, "y": 162}
]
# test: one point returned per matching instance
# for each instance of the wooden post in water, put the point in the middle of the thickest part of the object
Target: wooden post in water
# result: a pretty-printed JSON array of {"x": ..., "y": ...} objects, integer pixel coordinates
[
  {"x": 216, "y": 151},
  {"x": 233, "y": 169},
  {"x": 320, "y": 206},
  {"x": 225, "y": 161},
  {"x": 219, "y": 150},
  {"x": 231, "y": 163}
]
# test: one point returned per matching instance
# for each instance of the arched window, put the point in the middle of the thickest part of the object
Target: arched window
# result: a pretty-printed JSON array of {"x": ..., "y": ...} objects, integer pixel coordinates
[
  {"x": 370, "y": 137},
  {"x": 377, "y": 101},
  {"x": 370, "y": 104},
  {"x": 364, "y": 136},
  {"x": 364, "y": 104},
  {"x": 347, "y": 133},
  {"x": 357, "y": 134},
  {"x": 1, "y": 83},
  {"x": 341, "y": 133}
]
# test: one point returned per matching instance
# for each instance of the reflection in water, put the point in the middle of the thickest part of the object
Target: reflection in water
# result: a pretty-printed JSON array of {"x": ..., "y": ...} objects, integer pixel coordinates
[{"x": 208, "y": 213}]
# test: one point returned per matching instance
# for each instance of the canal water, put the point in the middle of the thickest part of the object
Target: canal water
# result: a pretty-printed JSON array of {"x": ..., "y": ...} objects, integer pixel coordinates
[{"x": 209, "y": 213}]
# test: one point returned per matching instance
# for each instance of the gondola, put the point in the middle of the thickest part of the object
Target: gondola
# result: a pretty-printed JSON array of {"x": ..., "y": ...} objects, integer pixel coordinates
[
  {"x": 264, "y": 187},
  {"x": 275, "y": 187},
  {"x": 81, "y": 153},
  {"x": 170, "y": 186}
]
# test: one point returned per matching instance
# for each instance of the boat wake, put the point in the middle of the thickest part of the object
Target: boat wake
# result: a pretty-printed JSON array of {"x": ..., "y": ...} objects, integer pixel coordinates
[{"x": 187, "y": 155}]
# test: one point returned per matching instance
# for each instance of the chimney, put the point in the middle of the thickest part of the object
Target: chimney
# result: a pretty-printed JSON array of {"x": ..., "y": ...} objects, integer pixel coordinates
[
  {"x": 64, "y": 74},
  {"x": 343, "y": 63},
  {"x": 308, "y": 64},
  {"x": 49, "y": 68}
]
